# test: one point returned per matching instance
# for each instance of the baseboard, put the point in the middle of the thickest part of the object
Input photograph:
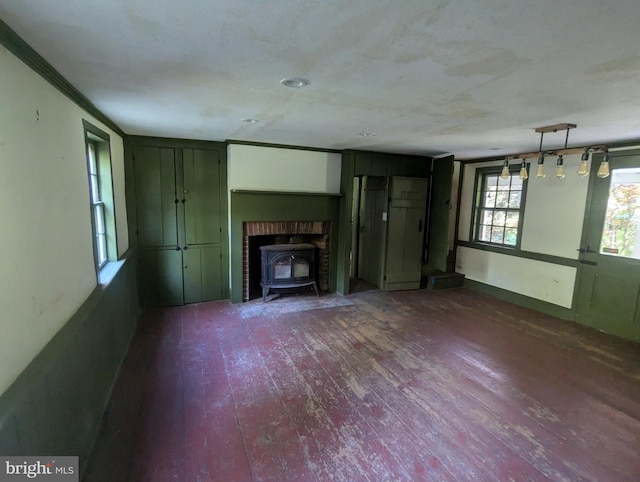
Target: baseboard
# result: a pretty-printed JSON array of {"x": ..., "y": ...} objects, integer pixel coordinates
[{"x": 522, "y": 300}]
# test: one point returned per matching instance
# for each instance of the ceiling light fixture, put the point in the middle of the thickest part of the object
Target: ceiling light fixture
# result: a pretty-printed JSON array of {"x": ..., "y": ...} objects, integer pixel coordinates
[
  {"x": 294, "y": 82},
  {"x": 250, "y": 121},
  {"x": 583, "y": 169},
  {"x": 366, "y": 134}
]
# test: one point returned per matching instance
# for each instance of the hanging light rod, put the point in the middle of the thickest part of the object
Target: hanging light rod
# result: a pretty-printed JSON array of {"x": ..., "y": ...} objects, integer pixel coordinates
[
  {"x": 556, "y": 128},
  {"x": 557, "y": 152}
]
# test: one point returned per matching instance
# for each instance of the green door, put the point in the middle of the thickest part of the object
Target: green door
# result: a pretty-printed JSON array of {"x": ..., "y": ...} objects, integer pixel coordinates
[
  {"x": 405, "y": 233},
  {"x": 160, "y": 277},
  {"x": 156, "y": 200},
  {"x": 201, "y": 195},
  {"x": 372, "y": 229},
  {"x": 202, "y": 272},
  {"x": 608, "y": 293}
]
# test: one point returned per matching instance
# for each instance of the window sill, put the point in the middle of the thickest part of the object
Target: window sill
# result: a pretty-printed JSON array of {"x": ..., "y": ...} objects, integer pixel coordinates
[{"x": 109, "y": 272}]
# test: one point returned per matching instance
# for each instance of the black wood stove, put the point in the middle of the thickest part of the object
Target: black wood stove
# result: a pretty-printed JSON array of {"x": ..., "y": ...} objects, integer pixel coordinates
[{"x": 288, "y": 266}]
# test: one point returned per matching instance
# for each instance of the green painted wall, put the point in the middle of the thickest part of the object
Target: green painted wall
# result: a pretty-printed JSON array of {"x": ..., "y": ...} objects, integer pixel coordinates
[
  {"x": 271, "y": 206},
  {"x": 55, "y": 406}
]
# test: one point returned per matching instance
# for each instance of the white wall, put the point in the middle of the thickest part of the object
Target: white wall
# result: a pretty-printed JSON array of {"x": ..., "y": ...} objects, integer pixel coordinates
[
  {"x": 552, "y": 225},
  {"x": 277, "y": 169},
  {"x": 46, "y": 254}
]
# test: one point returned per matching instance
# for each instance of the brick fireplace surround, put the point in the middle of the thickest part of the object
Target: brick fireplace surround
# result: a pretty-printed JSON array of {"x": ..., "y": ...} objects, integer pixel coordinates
[{"x": 320, "y": 229}]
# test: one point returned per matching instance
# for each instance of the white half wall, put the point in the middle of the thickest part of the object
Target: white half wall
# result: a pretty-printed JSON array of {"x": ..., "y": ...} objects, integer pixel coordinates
[
  {"x": 46, "y": 247},
  {"x": 552, "y": 225},
  {"x": 548, "y": 282},
  {"x": 262, "y": 168}
]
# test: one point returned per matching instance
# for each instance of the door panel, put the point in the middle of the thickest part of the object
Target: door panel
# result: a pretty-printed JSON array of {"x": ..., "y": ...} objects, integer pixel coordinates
[
  {"x": 608, "y": 287},
  {"x": 160, "y": 277},
  {"x": 403, "y": 268},
  {"x": 156, "y": 208},
  {"x": 202, "y": 196},
  {"x": 372, "y": 230},
  {"x": 202, "y": 274}
]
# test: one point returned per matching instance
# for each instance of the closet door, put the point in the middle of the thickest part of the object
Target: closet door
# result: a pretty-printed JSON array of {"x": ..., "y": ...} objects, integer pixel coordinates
[
  {"x": 201, "y": 268},
  {"x": 403, "y": 268},
  {"x": 156, "y": 200},
  {"x": 160, "y": 280},
  {"x": 201, "y": 195}
]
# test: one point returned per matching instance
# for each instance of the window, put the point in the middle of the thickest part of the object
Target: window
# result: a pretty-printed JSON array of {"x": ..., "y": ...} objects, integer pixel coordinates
[
  {"x": 101, "y": 195},
  {"x": 498, "y": 208}
]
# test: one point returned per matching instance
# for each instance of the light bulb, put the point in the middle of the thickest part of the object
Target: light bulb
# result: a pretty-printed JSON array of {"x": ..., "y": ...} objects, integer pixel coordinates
[
  {"x": 540, "y": 172},
  {"x": 505, "y": 170},
  {"x": 560, "y": 168},
  {"x": 583, "y": 168},
  {"x": 603, "y": 170},
  {"x": 523, "y": 172}
]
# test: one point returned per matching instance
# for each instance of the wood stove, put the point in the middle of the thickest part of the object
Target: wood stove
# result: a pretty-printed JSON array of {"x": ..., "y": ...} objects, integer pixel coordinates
[{"x": 287, "y": 266}]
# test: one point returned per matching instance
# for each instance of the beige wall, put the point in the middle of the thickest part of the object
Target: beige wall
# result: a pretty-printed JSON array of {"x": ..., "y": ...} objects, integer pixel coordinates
[
  {"x": 553, "y": 218},
  {"x": 46, "y": 255},
  {"x": 276, "y": 169}
]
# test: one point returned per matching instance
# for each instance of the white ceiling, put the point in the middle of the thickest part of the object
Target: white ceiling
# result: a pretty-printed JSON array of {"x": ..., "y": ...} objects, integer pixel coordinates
[{"x": 472, "y": 78}]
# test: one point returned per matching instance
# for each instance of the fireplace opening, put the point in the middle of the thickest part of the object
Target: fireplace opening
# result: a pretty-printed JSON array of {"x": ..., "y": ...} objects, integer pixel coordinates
[{"x": 259, "y": 241}]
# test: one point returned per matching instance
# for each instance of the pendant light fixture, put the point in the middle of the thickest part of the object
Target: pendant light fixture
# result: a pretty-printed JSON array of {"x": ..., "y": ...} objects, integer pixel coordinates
[
  {"x": 560, "y": 167},
  {"x": 583, "y": 168},
  {"x": 603, "y": 170},
  {"x": 505, "y": 170},
  {"x": 524, "y": 175},
  {"x": 540, "y": 174}
]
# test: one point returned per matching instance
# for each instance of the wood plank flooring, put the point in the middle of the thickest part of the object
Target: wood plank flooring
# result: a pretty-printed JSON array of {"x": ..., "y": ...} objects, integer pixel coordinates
[{"x": 418, "y": 385}]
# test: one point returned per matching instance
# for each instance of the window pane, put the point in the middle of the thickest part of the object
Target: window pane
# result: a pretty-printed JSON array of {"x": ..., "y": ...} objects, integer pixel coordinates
[
  {"x": 510, "y": 236},
  {"x": 497, "y": 234},
  {"x": 504, "y": 183},
  {"x": 486, "y": 217},
  {"x": 499, "y": 218},
  {"x": 516, "y": 182},
  {"x": 512, "y": 219},
  {"x": 102, "y": 248},
  {"x": 502, "y": 199},
  {"x": 91, "y": 154},
  {"x": 490, "y": 199},
  {"x": 621, "y": 225},
  {"x": 514, "y": 199},
  {"x": 491, "y": 182},
  {"x": 484, "y": 233},
  {"x": 95, "y": 189},
  {"x": 99, "y": 218}
]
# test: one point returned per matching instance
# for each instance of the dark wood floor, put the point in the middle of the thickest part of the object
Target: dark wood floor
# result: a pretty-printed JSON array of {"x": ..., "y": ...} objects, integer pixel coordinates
[{"x": 418, "y": 385}]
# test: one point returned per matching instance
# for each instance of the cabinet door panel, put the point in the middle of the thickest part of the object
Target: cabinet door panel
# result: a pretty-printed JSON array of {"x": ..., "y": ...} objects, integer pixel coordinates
[
  {"x": 155, "y": 183},
  {"x": 202, "y": 274},
  {"x": 160, "y": 277},
  {"x": 202, "y": 196}
]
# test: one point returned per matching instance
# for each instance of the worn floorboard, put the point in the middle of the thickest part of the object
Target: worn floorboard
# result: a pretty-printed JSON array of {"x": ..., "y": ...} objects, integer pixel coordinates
[{"x": 418, "y": 385}]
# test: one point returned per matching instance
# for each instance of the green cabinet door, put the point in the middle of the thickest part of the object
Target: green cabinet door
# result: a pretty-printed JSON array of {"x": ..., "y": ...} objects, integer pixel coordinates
[
  {"x": 202, "y": 272},
  {"x": 155, "y": 185},
  {"x": 201, "y": 194},
  {"x": 405, "y": 233},
  {"x": 160, "y": 277}
]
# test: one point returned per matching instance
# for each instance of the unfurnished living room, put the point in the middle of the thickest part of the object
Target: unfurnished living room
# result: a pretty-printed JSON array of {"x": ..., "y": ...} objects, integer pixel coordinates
[{"x": 309, "y": 241}]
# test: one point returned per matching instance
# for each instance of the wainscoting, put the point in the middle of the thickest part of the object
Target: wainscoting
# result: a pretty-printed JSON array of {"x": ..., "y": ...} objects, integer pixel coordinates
[
  {"x": 56, "y": 405},
  {"x": 412, "y": 385}
]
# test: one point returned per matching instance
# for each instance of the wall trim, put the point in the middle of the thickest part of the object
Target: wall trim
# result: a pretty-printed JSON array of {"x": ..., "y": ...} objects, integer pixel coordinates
[
  {"x": 522, "y": 300},
  {"x": 23, "y": 51},
  {"x": 285, "y": 193},
  {"x": 546, "y": 258},
  {"x": 175, "y": 143},
  {"x": 281, "y": 146}
]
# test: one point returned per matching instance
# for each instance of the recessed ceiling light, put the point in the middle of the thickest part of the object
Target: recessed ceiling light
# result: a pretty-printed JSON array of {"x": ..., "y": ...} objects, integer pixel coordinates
[
  {"x": 366, "y": 134},
  {"x": 495, "y": 148},
  {"x": 294, "y": 82},
  {"x": 250, "y": 121}
]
